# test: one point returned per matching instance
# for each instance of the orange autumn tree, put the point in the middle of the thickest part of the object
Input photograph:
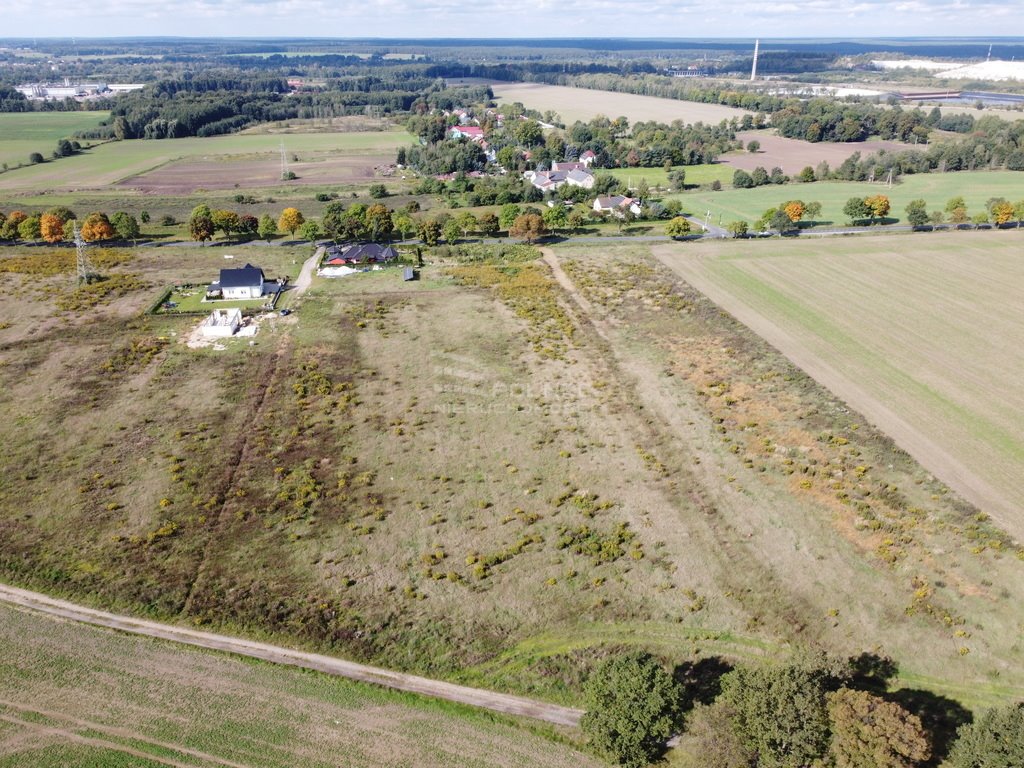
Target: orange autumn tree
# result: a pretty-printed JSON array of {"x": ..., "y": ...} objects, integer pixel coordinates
[
  {"x": 795, "y": 210},
  {"x": 51, "y": 228},
  {"x": 97, "y": 227}
]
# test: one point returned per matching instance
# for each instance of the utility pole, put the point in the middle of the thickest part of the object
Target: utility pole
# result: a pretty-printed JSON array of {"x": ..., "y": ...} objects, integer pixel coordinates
[{"x": 86, "y": 272}]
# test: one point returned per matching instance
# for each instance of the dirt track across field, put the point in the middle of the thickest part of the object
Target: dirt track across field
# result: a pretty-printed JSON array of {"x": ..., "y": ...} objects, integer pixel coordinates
[{"x": 497, "y": 702}]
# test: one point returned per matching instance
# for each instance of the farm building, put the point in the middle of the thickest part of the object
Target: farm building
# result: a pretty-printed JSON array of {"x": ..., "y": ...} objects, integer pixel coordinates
[
  {"x": 367, "y": 253},
  {"x": 248, "y": 282},
  {"x": 222, "y": 323}
]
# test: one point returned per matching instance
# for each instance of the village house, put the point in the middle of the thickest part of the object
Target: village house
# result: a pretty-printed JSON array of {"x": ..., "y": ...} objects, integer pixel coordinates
[
  {"x": 248, "y": 282},
  {"x": 616, "y": 205},
  {"x": 547, "y": 181},
  {"x": 588, "y": 157},
  {"x": 471, "y": 132}
]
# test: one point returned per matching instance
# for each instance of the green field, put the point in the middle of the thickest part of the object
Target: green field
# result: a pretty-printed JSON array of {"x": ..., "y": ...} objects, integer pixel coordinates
[
  {"x": 142, "y": 703},
  {"x": 934, "y": 188},
  {"x": 696, "y": 175},
  {"x": 22, "y": 133},
  {"x": 913, "y": 331},
  {"x": 109, "y": 163}
]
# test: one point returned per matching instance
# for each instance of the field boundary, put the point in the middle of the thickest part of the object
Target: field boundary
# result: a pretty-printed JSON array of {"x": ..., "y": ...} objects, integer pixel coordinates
[{"x": 476, "y": 697}]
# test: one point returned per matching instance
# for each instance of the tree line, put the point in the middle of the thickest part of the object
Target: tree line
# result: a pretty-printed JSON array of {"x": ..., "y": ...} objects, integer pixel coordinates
[{"x": 812, "y": 711}]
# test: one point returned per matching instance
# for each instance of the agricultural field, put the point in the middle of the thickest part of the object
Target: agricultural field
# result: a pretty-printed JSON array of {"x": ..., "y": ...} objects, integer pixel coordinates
[
  {"x": 219, "y": 162},
  {"x": 498, "y": 474},
  {"x": 573, "y": 104},
  {"x": 935, "y": 189},
  {"x": 911, "y": 331},
  {"x": 22, "y": 133},
  {"x": 793, "y": 155},
  {"x": 73, "y": 695}
]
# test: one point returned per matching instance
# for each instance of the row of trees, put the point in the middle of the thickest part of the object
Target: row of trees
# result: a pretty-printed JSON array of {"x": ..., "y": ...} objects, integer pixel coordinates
[
  {"x": 812, "y": 712},
  {"x": 998, "y": 210},
  {"x": 57, "y": 225}
]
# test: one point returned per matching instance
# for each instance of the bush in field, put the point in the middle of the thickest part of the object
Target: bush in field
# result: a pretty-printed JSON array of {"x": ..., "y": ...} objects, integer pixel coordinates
[
  {"x": 678, "y": 227},
  {"x": 633, "y": 706}
]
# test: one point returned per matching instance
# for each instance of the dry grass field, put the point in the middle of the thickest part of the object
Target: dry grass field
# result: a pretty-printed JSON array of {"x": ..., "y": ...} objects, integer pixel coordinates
[
  {"x": 793, "y": 155},
  {"x": 583, "y": 104},
  {"x": 497, "y": 474},
  {"x": 914, "y": 333},
  {"x": 72, "y": 695}
]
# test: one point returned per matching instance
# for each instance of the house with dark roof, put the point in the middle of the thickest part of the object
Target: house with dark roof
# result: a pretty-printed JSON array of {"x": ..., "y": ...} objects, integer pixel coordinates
[
  {"x": 365, "y": 253},
  {"x": 248, "y": 282}
]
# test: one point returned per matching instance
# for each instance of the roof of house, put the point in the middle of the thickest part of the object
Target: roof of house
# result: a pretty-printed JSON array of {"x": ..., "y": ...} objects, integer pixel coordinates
[
  {"x": 579, "y": 175},
  {"x": 364, "y": 252},
  {"x": 615, "y": 201},
  {"x": 568, "y": 166},
  {"x": 245, "y": 277},
  {"x": 588, "y": 153},
  {"x": 469, "y": 130}
]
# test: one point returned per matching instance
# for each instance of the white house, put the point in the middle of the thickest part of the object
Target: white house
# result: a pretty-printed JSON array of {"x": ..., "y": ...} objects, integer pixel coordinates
[
  {"x": 245, "y": 283},
  {"x": 616, "y": 204},
  {"x": 588, "y": 157},
  {"x": 221, "y": 323}
]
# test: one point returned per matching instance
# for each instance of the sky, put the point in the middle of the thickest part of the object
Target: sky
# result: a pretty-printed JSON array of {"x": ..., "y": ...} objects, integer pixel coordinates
[{"x": 515, "y": 18}]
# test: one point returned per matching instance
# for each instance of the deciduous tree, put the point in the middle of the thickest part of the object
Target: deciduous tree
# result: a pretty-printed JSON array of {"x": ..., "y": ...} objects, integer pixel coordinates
[
  {"x": 51, "y": 228},
  {"x": 917, "y": 213},
  {"x": 795, "y": 210},
  {"x": 429, "y": 231},
  {"x": 633, "y": 706},
  {"x": 291, "y": 219},
  {"x": 994, "y": 740},
  {"x": 555, "y": 217},
  {"x": 310, "y": 231},
  {"x": 267, "y": 228},
  {"x": 10, "y": 228},
  {"x": 508, "y": 214},
  {"x": 878, "y": 205},
  {"x": 737, "y": 228},
  {"x": 97, "y": 227},
  {"x": 528, "y": 226},
  {"x": 678, "y": 227},
  {"x": 125, "y": 225},
  {"x": 489, "y": 225},
  {"x": 870, "y": 732},
  {"x": 378, "y": 222},
  {"x": 857, "y": 209},
  {"x": 780, "y": 713},
  {"x": 200, "y": 223},
  {"x": 226, "y": 221},
  {"x": 29, "y": 229}
]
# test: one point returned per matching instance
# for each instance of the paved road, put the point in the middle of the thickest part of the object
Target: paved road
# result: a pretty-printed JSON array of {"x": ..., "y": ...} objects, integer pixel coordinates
[{"x": 497, "y": 702}]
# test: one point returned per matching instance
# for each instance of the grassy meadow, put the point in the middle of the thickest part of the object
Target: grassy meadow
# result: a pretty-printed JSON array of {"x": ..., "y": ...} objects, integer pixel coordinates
[
  {"x": 73, "y": 695},
  {"x": 22, "y": 133},
  {"x": 934, "y": 188},
  {"x": 497, "y": 474},
  {"x": 911, "y": 331}
]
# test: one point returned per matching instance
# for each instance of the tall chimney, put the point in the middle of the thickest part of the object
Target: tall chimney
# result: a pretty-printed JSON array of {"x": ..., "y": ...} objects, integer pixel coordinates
[{"x": 753, "y": 70}]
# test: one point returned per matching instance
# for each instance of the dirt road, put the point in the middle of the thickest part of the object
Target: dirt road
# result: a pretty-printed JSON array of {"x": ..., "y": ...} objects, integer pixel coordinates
[
  {"x": 497, "y": 702},
  {"x": 305, "y": 278}
]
